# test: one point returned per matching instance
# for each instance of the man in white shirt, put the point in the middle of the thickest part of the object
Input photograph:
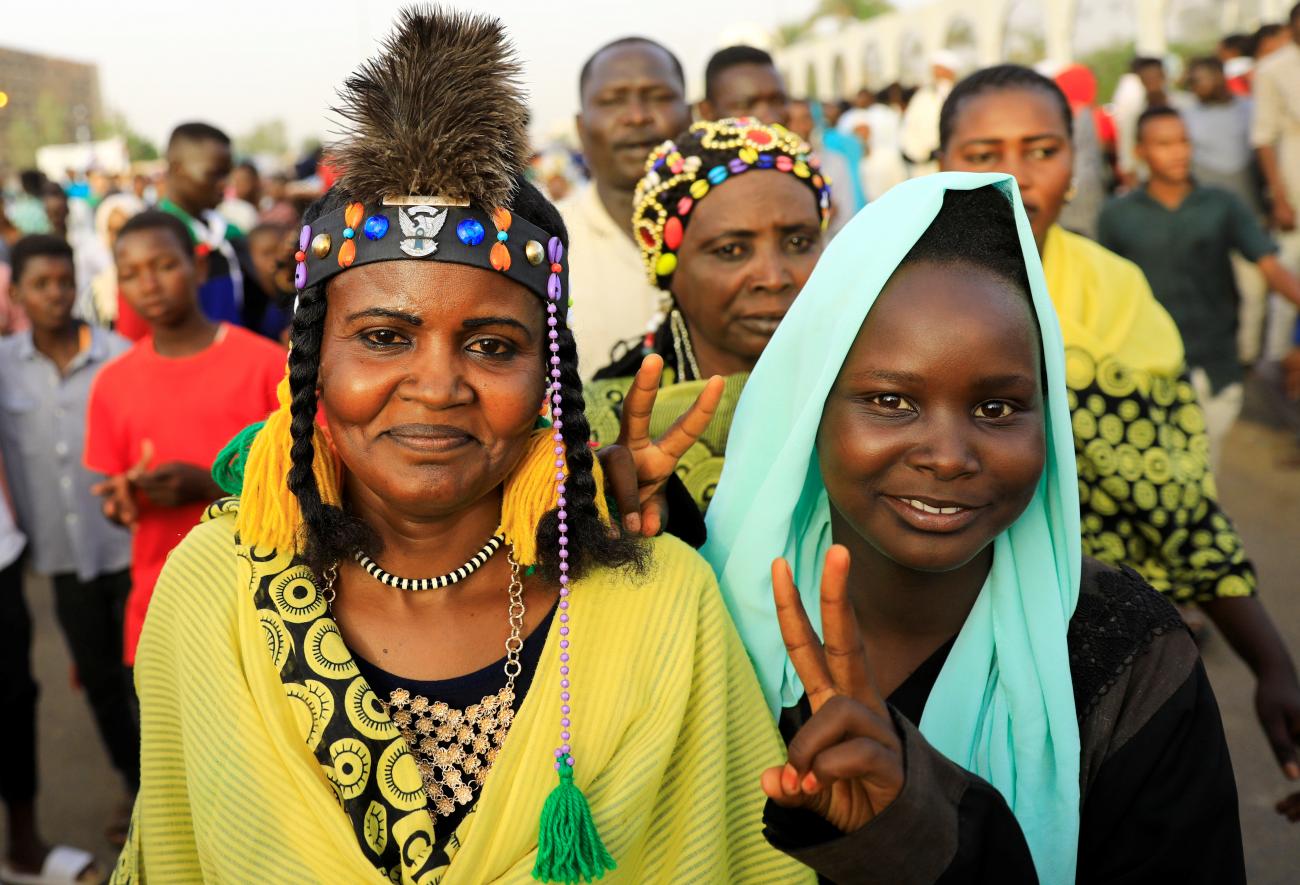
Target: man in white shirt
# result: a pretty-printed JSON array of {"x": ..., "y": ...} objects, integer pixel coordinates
[
  {"x": 633, "y": 97},
  {"x": 1275, "y": 135},
  {"x": 920, "y": 133}
]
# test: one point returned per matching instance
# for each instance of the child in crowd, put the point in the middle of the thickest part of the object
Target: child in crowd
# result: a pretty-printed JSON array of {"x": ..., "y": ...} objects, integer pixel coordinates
[{"x": 159, "y": 414}]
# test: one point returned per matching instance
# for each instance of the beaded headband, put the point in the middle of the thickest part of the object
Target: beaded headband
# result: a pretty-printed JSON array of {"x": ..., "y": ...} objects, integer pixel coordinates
[
  {"x": 429, "y": 228},
  {"x": 676, "y": 178}
]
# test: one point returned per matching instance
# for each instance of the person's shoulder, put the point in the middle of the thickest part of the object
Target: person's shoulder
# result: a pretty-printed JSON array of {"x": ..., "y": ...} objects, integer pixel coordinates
[
  {"x": 124, "y": 366},
  {"x": 113, "y": 344},
  {"x": 1122, "y": 630},
  {"x": 206, "y": 554},
  {"x": 1098, "y": 256},
  {"x": 1279, "y": 63},
  {"x": 674, "y": 577},
  {"x": 254, "y": 345}
]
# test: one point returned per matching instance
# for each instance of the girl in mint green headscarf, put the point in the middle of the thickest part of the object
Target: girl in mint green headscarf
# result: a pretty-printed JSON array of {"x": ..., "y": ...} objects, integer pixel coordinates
[{"x": 904, "y": 452}]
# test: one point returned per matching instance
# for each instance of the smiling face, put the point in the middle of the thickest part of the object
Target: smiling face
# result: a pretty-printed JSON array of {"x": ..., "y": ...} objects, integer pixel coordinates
[
  {"x": 1023, "y": 132},
  {"x": 633, "y": 100},
  {"x": 747, "y": 252},
  {"x": 932, "y": 439},
  {"x": 430, "y": 381}
]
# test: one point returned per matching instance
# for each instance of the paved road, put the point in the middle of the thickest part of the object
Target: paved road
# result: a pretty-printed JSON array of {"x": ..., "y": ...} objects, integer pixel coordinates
[{"x": 79, "y": 789}]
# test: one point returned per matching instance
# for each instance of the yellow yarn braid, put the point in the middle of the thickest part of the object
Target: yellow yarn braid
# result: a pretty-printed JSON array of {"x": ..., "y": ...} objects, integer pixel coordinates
[
  {"x": 531, "y": 492},
  {"x": 269, "y": 515}
]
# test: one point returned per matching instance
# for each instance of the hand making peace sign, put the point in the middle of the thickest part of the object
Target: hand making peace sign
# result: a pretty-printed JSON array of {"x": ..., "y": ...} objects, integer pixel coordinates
[
  {"x": 637, "y": 467},
  {"x": 846, "y": 762}
]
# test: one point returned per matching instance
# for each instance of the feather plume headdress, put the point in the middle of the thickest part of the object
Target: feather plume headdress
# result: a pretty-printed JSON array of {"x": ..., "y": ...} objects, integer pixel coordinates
[
  {"x": 435, "y": 138},
  {"x": 440, "y": 112}
]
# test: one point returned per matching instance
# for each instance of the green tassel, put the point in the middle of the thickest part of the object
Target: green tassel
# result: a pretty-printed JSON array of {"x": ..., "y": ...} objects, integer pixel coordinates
[
  {"x": 228, "y": 469},
  {"x": 569, "y": 849}
]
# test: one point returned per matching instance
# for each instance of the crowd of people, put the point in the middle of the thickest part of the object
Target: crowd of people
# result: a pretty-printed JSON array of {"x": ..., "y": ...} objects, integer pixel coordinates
[{"x": 871, "y": 435}]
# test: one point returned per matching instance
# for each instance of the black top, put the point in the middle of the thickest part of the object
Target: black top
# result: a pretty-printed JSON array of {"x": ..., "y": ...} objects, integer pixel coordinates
[
  {"x": 1156, "y": 785},
  {"x": 459, "y": 693}
]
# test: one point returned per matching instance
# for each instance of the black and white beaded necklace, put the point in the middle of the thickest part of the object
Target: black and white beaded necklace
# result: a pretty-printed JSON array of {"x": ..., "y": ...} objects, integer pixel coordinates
[{"x": 416, "y": 584}]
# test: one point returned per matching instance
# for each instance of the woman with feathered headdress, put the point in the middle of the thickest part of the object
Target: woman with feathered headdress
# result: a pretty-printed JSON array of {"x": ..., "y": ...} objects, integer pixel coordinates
[{"x": 414, "y": 649}]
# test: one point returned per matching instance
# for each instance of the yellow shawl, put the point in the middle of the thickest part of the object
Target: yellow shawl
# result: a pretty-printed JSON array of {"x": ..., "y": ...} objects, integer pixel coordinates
[
  {"x": 1106, "y": 306},
  {"x": 671, "y": 733}
]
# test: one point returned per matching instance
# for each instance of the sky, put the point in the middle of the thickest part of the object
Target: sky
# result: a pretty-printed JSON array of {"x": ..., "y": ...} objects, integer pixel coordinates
[{"x": 237, "y": 63}]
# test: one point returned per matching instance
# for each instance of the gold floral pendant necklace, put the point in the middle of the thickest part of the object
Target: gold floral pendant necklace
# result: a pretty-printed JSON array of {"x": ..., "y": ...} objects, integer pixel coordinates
[{"x": 455, "y": 749}]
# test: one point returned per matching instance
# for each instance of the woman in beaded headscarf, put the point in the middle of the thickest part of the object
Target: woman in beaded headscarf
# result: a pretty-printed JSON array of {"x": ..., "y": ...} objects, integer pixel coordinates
[
  {"x": 329, "y": 691},
  {"x": 730, "y": 218}
]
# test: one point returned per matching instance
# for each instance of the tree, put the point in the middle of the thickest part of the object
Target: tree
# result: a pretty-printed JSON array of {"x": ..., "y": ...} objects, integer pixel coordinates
[
  {"x": 137, "y": 146},
  {"x": 21, "y": 143},
  {"x": 266, "y": 138},
  {"x": 51, "y": 119}
]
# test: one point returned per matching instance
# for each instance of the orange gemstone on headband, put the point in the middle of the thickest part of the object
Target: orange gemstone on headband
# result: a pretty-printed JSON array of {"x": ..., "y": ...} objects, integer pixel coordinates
[
  {"x": 500, "y": 255},
  {"x": 502, "y": 218},
  {"x": 673, "y": 233},
  {"x": 353, "y": 214},
  {"x": 759, "y": 136},
  {"x": 347, "y": 253}
]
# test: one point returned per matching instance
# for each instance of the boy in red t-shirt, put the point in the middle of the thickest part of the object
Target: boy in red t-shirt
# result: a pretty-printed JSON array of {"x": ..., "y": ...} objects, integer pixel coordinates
[{"x": 161, "y": 412}]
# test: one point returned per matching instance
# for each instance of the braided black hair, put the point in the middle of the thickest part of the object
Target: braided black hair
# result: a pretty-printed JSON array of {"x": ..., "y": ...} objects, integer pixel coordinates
[
  {"x": 332, "y": 533},
  {"x": 999, "y": 78}
]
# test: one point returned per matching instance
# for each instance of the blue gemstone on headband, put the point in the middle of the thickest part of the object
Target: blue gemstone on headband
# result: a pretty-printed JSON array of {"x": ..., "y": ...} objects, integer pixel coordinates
[
  {"x": 376, "y": 227},
  {"x": 765, "y": 161},
  {"x": 717, "y": 175},
  {"x": 348, "y": 233},
  {"x": 470, "y": 232}
]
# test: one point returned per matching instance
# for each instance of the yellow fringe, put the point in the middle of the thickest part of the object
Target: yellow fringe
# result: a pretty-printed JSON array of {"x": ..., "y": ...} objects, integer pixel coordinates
[
  {"x": 531, "y": 492},
  {"x": 269, "y": 515}
]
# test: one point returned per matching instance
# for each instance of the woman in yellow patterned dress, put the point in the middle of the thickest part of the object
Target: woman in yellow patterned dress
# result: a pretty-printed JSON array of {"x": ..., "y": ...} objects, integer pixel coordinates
[
  {"x": 412, "y": 650},
  {"x": 1146, "y": 490}
]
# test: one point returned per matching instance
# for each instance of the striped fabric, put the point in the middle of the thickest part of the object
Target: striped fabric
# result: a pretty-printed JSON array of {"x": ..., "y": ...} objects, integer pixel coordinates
[
  {"x": 670, "y": 734},
  {"x": 417, "y": 584}
]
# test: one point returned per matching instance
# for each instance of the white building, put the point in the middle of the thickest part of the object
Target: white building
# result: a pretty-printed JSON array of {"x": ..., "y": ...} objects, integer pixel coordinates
[{"x": 843, "y": 56}]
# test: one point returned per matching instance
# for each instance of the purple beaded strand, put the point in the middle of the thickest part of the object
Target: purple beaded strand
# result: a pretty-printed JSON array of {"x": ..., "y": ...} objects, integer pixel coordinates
[{"x": 564, "y": 752}]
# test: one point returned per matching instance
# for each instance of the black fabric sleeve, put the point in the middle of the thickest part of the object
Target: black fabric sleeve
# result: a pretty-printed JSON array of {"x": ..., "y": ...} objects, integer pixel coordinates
[
  {"x": 684, "y": 521},
  {"x": 946, "y": 826},
  {"x": 1163, "y": 808}
]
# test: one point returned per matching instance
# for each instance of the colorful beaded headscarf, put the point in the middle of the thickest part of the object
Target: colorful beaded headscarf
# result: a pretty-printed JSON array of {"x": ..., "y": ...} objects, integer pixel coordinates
[
  {"x": 680, "y": 173},
  {"x": 434, "y": 154}
]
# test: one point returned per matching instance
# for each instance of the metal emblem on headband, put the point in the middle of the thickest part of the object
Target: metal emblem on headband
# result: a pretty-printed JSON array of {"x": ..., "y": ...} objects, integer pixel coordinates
[{"x": 421, "y": 225}]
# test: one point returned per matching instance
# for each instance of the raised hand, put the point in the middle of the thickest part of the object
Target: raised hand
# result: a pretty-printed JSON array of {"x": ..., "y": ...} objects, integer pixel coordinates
[
  {"x": 119, "y": 500},
  {"x": 846, "y": 762},
  {"x": 637, "y": 467}
]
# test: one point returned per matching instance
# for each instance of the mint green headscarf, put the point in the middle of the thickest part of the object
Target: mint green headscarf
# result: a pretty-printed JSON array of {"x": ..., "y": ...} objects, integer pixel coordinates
[{"x": 1003, "y": 706}]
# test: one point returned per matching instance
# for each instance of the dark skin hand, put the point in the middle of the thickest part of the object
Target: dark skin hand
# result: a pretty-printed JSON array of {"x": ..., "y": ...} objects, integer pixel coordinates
[
  {"x": 1022, "y": 131},
  {"x": 846, "y": 763},
  {"x": 169, "y": 485},
  {"x": 637, "y": 467}
]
